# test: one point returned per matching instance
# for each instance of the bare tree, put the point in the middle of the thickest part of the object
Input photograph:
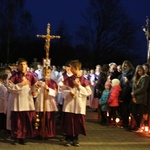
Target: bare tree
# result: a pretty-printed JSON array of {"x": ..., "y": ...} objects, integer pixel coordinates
[
  {"x": 63, "y": 46},
  {"x": 107, "y": 31},
  {"x": 16, "y": 24}
]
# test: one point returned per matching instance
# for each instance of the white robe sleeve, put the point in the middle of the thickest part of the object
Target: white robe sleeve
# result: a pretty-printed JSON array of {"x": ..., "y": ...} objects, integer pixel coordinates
[
  {"x": 3, "y": 92},
  {"x": 85, "y": 91},
  {"x": 14, "y": 88},
  {"x": 52, "y": 92}
]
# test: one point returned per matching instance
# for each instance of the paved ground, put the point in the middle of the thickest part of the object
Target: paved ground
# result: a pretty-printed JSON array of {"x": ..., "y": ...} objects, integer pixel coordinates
[{"x": 98, "y": 138}]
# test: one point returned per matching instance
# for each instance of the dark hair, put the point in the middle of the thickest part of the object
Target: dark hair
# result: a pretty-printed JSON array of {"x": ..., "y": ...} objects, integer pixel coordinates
[
  {"x": 126, "y": 65},
  {"x": 49, "y": 67},
  {"x": 105, "y": 68},
  {"x": 20, "y": 60},
  {"x": 67, "y": 64},
  {"x": 7, "y": 68},
  {"x": 76, "y": 64},
  {"x": 147, "y": 65},
  {"x": 136, "y": 76},
  {"x": 3, "y": 75}
]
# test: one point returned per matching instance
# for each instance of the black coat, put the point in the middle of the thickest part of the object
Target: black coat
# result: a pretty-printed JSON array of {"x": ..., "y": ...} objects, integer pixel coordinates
[
  {"x": 100, "y": 86},
  {"x": 114, "y": 75},
  {"x": 148, "y": 97},
  {"x": 125, "y": 95}
]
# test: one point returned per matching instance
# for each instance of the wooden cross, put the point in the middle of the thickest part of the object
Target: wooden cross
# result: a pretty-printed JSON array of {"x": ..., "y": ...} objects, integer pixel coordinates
[{"x": 48, "y": 38}]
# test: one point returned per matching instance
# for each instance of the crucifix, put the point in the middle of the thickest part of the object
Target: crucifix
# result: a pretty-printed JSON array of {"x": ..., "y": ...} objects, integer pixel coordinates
[
  {"x": 46, "y": 65},
  {"x": 48, "y": 38}
]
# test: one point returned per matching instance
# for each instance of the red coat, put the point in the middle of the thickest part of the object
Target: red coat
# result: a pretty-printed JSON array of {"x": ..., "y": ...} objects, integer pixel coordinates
[{"x": 113, "y": 99}]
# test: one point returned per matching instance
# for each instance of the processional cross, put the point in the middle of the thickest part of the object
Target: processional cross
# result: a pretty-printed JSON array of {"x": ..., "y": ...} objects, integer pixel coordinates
[{"x": 47, "y": 38}]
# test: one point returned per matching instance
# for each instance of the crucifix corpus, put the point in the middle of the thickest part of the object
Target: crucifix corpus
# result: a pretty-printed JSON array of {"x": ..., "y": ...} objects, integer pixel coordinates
[
  {"x": 48, "y": 38},
  {"x": 46, "y": 64}
]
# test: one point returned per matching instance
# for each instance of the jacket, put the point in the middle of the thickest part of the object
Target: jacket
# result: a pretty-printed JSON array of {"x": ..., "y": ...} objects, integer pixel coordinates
[
  {"x": 113, "y": 99},
  {"x": 104, "y": 100},
  {"x": 140, "y": 89}
]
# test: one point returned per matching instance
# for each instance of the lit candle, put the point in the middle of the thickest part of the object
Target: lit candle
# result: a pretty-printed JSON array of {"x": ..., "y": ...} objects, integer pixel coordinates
[
  {"x": 146, "y": 128},
  {"x": 117, "y": 120},
  {"x": 129, "y": 118},
  {"x": 143, "y": 127},
  {"x": 107, "y": 113},
  {"x": 111, "y": 118}
]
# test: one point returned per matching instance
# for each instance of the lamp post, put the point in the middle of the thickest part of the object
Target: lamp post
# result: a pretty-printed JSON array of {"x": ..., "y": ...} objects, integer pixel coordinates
[{"x": 147, "y": 34}]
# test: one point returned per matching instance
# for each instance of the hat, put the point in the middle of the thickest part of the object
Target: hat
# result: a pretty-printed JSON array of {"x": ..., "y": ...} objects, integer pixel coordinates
[{"x": 107, "y": 83}]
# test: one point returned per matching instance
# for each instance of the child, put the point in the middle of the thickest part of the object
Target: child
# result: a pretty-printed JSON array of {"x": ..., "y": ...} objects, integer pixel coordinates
[
  {"x": 74, "y": 106},
  {"x": 45, "y": 102},
  {"x": 104, "y": 103},
  {"x": 3, "y": 99},
  {"x": 113, "y": 99}
]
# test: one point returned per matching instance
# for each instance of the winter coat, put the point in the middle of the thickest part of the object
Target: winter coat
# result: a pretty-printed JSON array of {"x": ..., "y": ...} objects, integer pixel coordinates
[
  {"x": 148, "y": 94},
  {"x": 104, "y": 100},
  {"x": 125, "y": 95},
  {"x": 100, "y": 84},
  {"x": 114, "y": 75},
  {"x": 113, "y": 99},
  {"x": 140, "y": 89}
]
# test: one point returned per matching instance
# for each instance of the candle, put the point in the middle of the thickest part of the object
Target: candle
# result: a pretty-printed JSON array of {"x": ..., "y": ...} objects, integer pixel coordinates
[
  {"x": 107, "y": 113},
  {"x": 146, "y": 128},
  {"x": 143, "y": 127},
  {"x": 129, "y": 118},
  {"x": 117, "y": 120}
]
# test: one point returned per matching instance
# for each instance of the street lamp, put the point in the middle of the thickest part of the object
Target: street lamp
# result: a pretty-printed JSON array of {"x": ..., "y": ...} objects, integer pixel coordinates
[{"x": 147, "y": 34}]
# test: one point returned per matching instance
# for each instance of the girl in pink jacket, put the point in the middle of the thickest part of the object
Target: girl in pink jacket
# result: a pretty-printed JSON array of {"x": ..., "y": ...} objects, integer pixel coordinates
[{"x": 113, "y": 99}]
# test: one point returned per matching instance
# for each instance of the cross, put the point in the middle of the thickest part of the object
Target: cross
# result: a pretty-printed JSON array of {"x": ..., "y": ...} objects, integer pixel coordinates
[{"x": 48, "y": 38}]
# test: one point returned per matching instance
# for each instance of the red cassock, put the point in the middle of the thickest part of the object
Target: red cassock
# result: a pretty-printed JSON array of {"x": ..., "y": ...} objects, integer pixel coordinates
[
  {"x": 74, "y": 108},
  {"x": 23, "y": 110}
]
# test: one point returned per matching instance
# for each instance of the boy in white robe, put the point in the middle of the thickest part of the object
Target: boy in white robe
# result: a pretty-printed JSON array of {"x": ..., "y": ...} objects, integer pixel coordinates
[
  {"x": 76, "y": 89},
  {"x": 45, "y": 106},
  {"x": 23, "y": 113},
  {"x": 3, "y": 100}
]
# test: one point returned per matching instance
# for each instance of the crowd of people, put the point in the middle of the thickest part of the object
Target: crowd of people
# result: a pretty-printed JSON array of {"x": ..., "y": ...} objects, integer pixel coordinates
[
  {"x": 28, "y": 102},
  {"x": 122, "y": 91},
  {"x": 30, "y": 98}
]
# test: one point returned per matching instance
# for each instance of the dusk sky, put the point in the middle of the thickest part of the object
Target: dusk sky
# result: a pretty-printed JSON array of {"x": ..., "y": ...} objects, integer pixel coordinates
[{"x": 54, "y": 11}]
